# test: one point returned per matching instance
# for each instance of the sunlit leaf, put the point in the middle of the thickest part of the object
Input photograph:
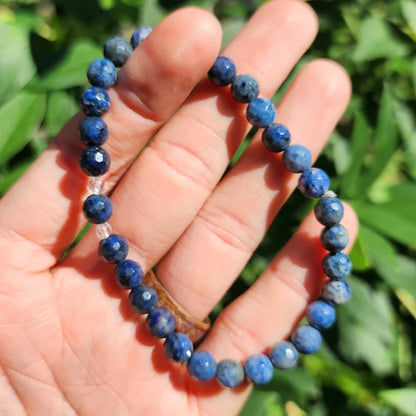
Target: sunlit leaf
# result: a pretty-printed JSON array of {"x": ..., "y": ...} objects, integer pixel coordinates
[
  {"x": 376, "y": 40},
  {"x": 409, "y": 13},
  {"x": 404, "y": 400},
  {"x": 16, "y": 64},
  {"x": 19, "y": 118}
]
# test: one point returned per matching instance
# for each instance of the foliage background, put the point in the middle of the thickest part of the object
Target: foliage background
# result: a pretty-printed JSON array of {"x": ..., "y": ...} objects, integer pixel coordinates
[{"x": 367, "y": 365}]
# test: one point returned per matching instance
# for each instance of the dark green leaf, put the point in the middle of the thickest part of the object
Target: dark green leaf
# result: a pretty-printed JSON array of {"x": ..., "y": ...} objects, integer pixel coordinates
[
  {"x": 19, "y": 118},
  {"x": 60, "y": 108},
  {"x": 376, "y": 40},
  {"x": 71, "y": 70},
  {"x": 359, "y": 256},
  {"x": 16, "y": 64},
  {"x": 385, "y": 140},
  {"x": 360, "y": 138}
]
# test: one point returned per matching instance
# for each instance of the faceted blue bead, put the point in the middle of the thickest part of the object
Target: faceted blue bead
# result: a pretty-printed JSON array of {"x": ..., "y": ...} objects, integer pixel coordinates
[
  {"x": 283, "y": 355},
  {"x": 93, "y": 131},
  {"x": 95, "y": 101},
  {"x": 297, "y": 158},
  {"x": 178, "y": 347},
  {"x": 258, "y": 369},
  {"x": 321, "y": 315},
  {"x": 334, "y": 238},
  {"x": 160, "y": 322},
  {"x": 329, "y": 211},
  {"x": 307, "y": 339},
  {"x": 230, "y": 373},
  {"x": 128, "y": 274},
  {"x": 94, "y": 161},
  {"x": 140, "y": 35},
  {"x": 97, "y": 208},
  {"x": 113, "y": 249},
  {"x": 260, "y": 112},
  {"x": 202, "y": 366},
  {"x": 336, "y": 292},
  {"x": 143, "y": 298},
  {"x": 336, "y": 265},
  {"x": 102, "y": 73},
  {"x": 244, "y": 88},
  {"x": 222, "y": 72},
  {"x": 276, "y": 137},
  {"x": 314, "y": 183},
  {"x": 117, "y": 50}
]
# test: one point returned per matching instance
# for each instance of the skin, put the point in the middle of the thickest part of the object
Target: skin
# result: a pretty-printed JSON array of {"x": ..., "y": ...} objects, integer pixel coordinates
[{"x": 69, "y": 342}]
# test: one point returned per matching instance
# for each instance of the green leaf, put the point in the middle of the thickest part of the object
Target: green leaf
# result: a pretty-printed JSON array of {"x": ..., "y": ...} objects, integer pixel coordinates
[
  {"x": 60, "y": 108},
  {"x": 404, "y": 400},
  {"x": 367, "y": 331},
  {"x": 151, "y": 13},
  {"x": 409, "y": 13},
  {"x": 376, "y": 40},
  {"x": 361, "y": 135},
  {"x": 9, "y": 178},
  {"x": 19, "y": 118},
  {"x": 359, "y": 255},
  {"x": 385, "y": 140},
  {"x": 377, "y": 247},
  {"x": 71, "y": 70},
  {"x": 16, "y": 64},
  {"x": 394, "y": 218},
  {"x": 258, "y": 403},
  {"x": 407, "y": 127}
]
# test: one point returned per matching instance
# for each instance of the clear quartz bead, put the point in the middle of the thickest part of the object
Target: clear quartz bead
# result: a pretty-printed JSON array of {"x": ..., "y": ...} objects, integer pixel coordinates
[
  {"x": 96, "y": 185},
  {"x": 329, "y": 194},
  {"x": 103, "y": 230}
]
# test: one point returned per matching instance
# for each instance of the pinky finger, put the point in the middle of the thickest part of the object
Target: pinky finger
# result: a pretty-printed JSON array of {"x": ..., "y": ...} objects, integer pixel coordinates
[{"x": 270, "y": 309}]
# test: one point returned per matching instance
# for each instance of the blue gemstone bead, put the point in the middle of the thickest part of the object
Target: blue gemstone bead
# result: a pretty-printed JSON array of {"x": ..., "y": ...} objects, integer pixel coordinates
[
  {"x": 297, "y": 158},
  {"x": 202, "y": 366},
  {"x": 94, "y": 161},
  {"x": 143, "y": 298},
  {"x": 334, "y": 238},
  {"x": 93, "y": 131},
  {"x": 260, "y": 112},
  {"x": 140, "y": 35},
  {"x": 321, "y": 315},
  {"x": 258, "y": 369},
  {"x": 117, "y": 50},
  {"x": 307, "y": 339},
  {"x": 113, "y": 249},
  {"x": 222, "y": 72},
  {"x": 178, "y": 347},
  {"x": 314, "y": 183},
  {"x": 276, "y": 138},
  {"x": 283, "y": 355},
  {"x": 102, "y": 73},
  {"x": 128, "y": 274},
  {"x": 336, "y": 265},
  {"x": 329, "y": 211},
  {"x": 336, "y": 292},
  {"x": 95, "y": 101},
  {"x": 160, "y": 322},
  {"x": 244, "y": 88},
  {"x": 97, "y": 209},
  {"x": 230, "y": 373}
]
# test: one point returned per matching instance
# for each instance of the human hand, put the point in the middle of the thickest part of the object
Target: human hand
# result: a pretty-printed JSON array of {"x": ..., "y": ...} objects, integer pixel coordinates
[{"x": 69, "y": 341}]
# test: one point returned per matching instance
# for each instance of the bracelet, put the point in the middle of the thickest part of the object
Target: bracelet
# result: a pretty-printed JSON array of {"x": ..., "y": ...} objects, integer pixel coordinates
[{"x": 164, "y": 318}]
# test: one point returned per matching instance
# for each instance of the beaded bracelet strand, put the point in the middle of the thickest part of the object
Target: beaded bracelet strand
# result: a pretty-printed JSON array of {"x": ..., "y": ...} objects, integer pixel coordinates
[{"x": 113, "y": 248}]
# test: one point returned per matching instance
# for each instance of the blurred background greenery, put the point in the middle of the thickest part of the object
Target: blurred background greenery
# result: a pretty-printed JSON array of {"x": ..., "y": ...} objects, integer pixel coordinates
[{"x": 367, "y": 365}]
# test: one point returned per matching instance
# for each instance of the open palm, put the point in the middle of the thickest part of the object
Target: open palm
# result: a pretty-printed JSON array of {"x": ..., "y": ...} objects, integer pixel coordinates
[{"x": 69, "y": 342}]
